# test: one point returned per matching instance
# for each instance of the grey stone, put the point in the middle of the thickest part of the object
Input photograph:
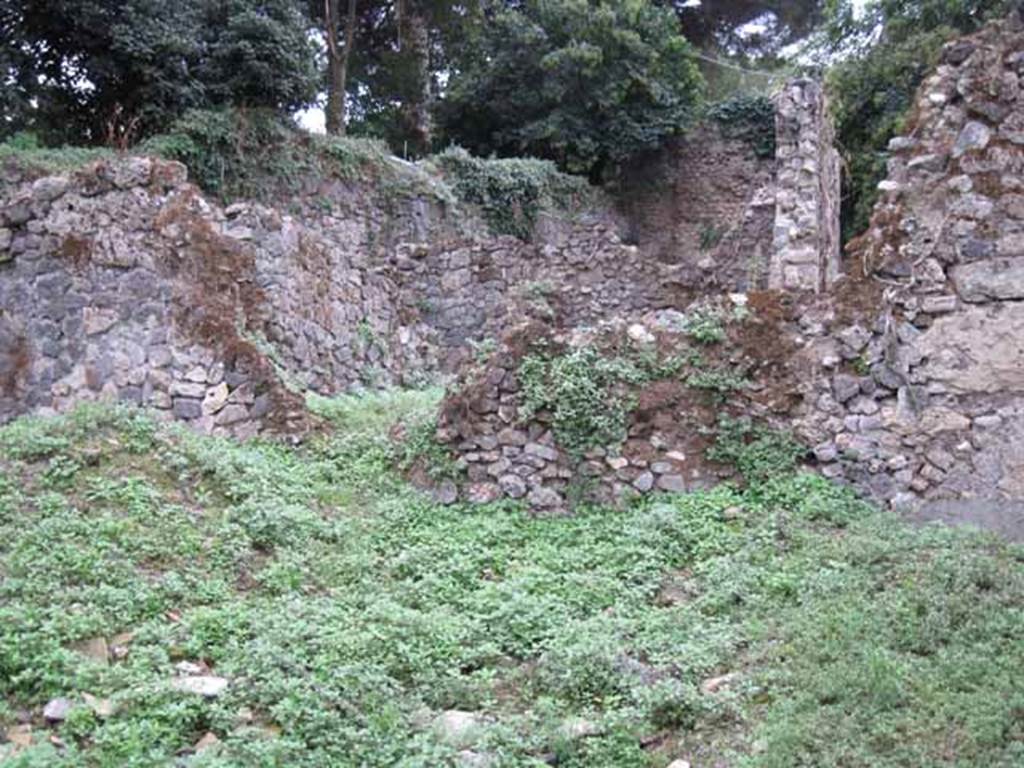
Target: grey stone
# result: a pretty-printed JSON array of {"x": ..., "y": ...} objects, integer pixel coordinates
[
  {"x": 644, "y": 482},
  {"x": 999, "y": 279},
  {"x": 826, "y": 452},
  {"x": 974, "y": 136},
  {"x": 901, "y": 143},
  {"x": 133, "y": 172},
  {"x": 932, "y": 163},
  {"x": 513, "y": 486},
  {"x": 446, "y": 493},
  {"x": 546, "y": 498},
  {"x": 958, "y": 52},
  {"x": 196, "y": 374},
  {"x": 96, "y": 320},
  {"x": 188, "y": 389},
  {"x": 487, "y": 442},
  {"x": 541, "y": 451},
  {"x": 988, "y": 422},
  {"x": 513, "y": 437},
  {"x": 854, "y": 338},
  {"x": 483, "y": 493},
  {"x": 864, "y": 405},
  {"x": 56, "y": 710},
  {"x": 187, "y": 409},
  {"x": 973, "y": 206},
  {"x": 459, "y": 728},
  {"x": 937, "y": 305},
  {"x": 207, "y": 686},
  {"x": 672, "y": 483},
  {"x": 499, "y": 467},
  {"x": 992, "y": 111},
  {"x": 49, "y": 188},
  {"x": 845, "y": 387},
  {"x": 941, "y": 458},
  {"x": 973, "y": 249}
]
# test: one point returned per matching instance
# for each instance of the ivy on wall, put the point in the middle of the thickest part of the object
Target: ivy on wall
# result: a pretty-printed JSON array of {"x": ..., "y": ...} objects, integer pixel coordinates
[
  {"x": 509, "y": 192},
  {"x": 747, "y": 118}
]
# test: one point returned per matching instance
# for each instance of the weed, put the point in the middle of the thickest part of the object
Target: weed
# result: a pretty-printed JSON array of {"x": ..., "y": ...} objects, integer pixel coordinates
[
  {"x": 347, "y": 611},
  {"x": 509, "y": 192},
  {"x": 705, "y": 326},
  {"x": 720, "y": 383},
  {"x": 24, "y": 149},
  {"x": 483, "y": 349},
  {"x": 758, "y": 452}
]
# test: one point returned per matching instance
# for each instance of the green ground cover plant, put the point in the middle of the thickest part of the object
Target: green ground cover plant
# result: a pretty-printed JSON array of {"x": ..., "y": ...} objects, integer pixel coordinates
[{"x": 347, "y": 612}]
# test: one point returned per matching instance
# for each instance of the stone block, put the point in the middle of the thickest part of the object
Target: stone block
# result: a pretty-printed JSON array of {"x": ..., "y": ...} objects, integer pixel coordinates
[
  {"x": 543, "y": 452},
  {"x": 672, "y": 483},
  {"x": 186, "y": 408},
  {"x": 994, "y": 279}
]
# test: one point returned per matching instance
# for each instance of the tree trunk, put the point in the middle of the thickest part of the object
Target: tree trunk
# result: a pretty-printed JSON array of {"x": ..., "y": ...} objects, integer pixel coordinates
[
  {"x": 337, "y": 63},
  {"x": 414, "y": 38},
  {"x": 346, "y": 56}
]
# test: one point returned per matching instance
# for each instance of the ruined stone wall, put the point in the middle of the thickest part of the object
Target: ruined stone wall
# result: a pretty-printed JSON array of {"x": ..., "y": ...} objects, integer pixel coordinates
[
  {"x": 905, "y": 378},
  {"x": 677, "y": 390},
  {"x": 727, "y": 218},
  {"x": 121, "y": 282},
  {"x": 704, "y": 206},
  {"x": 805, "y": 250},
  {"x": 578, "y": 270},
  {"x": 933, "y": 407}
]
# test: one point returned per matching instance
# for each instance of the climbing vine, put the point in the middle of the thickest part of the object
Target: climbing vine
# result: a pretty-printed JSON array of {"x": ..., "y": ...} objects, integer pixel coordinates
[
  {"x": 510, "y": 193},
  {"x": 747, "y": 118}
]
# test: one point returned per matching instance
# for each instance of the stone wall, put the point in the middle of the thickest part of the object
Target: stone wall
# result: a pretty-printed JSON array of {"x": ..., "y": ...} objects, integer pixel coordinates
[
  {"x": 578, "y": 270},
  {"x": 933, "y": 407},
  {"x": 805, "y": 252},
  {"x": 674, "y": 392},
  {"x": 725, "y": 218},
  {"x": 704, "y": 207},
  {"x": 904, "y": 378},
  {"x": 120, "y": 281}
]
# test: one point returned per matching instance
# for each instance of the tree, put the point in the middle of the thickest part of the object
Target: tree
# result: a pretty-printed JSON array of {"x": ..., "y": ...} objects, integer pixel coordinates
[
  {"x": 96, "y": 69},
  {"x": 339, "y": 57},
  {"x": 414, "y": 41},
  {"x": 747, "y": 28},
  {"x": 586, "y": 84}
]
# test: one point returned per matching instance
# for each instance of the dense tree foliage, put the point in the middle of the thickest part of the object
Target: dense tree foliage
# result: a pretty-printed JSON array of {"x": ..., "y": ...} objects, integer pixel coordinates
[
  {"x": 747, "y": 28},
  {"x": 586, "y": 83},
  {"x": 101, "y": 71},
  {"x": 878, "y": 58},
  {"x": 582, "y": 83}
]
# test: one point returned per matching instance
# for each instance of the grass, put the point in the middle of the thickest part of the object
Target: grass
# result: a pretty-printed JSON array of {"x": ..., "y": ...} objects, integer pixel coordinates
[
  {"x": 347, "y": 612},
  {"x": 24, "y": 150}
]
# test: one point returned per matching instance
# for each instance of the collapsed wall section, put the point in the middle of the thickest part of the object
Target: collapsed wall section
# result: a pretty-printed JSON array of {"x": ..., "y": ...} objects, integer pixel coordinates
[{"x": 905, "y": 378}]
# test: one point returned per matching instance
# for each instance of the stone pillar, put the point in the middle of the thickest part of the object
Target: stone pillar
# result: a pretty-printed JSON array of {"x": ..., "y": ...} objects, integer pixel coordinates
[{"x": 806, "y": 240}]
